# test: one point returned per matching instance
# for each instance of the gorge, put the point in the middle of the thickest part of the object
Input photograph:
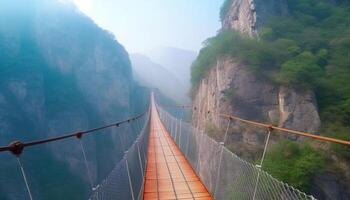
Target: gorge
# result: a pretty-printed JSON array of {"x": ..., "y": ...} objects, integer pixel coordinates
[{"x": 277, "y": 63}]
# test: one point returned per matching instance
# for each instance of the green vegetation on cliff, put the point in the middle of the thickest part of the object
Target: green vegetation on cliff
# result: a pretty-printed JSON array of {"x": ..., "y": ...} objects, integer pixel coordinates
[
  {"x": 308, "y": 48},
  {"x": 293, "y": 163}
]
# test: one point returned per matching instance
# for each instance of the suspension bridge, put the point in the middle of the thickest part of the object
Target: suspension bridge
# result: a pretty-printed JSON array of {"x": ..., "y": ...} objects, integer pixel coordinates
[{"x": 171, "y": 159}]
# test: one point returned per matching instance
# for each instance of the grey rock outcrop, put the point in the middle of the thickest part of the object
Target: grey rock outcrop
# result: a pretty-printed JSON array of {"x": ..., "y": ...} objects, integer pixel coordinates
[
  {"x": 247, "y": 16},
  {"x": 230, "y": 87}
]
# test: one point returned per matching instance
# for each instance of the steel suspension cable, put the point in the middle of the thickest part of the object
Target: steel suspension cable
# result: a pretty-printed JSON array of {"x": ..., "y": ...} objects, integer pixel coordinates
[
  {"x": 17, "y": 147},
  {"x": 300, "y": 133}
]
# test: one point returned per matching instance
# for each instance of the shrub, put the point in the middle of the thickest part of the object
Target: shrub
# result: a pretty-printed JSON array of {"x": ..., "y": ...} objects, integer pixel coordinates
[
  {"x": 337, "y": 130},
  {"x": 293, "y": 163},
  {"x": 301, "y": 69}
]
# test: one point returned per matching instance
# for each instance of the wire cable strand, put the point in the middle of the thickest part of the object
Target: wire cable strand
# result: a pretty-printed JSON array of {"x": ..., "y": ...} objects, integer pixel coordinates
[
  {"x": 17, "y": 147},
  {"x": 300, "y": 133}
]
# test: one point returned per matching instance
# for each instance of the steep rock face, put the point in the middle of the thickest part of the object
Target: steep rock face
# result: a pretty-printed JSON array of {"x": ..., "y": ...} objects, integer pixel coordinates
[
  {"x": 60, "y": 72},
  {"x": 298, "y": 110},
  {"x": 97, "y": 72},
  {"x": 231, "y": 87},
  {"x": 247, "y": 16}
]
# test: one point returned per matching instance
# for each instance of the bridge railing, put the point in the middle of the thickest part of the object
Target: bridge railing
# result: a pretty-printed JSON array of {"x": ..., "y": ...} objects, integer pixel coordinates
[
  {"x": 26, "y": 174},
  {"x": 225, "y": 175},
  {"x": 126, "y": 180}
]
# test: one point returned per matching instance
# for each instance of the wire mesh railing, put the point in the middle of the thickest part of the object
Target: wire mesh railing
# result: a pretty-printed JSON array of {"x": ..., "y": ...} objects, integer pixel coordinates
[
  {"x": 226, "y": 175},
  {"x": 41, "y": 176},
  {"x": 126, "y": 180}
]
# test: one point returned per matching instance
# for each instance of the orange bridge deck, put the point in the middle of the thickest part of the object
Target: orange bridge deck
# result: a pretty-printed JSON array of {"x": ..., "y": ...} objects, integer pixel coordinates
[{"x": 168, "y": 173}]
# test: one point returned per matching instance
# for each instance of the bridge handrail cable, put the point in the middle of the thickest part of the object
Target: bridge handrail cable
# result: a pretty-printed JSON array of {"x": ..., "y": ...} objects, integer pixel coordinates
[
  {"x": 269, "y": 126},
  {"x": 300, "y": 133},
  {"x": 17, "y": 147}
]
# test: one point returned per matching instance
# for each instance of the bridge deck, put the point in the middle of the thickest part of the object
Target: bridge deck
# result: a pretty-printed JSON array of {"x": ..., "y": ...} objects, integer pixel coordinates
[{"x": 168, "y": 173}]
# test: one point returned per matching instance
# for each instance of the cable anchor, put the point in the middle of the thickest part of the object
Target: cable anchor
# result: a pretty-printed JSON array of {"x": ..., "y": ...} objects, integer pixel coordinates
[
  {"x": 79, "y": 135},
  {"x": 16, "y": 148}
]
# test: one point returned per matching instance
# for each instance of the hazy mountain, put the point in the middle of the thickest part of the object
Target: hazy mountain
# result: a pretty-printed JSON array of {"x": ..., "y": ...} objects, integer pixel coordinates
[
  {"x": 59, "y": 72},
  {"x": 177, "y": 61},
  {"x": 154, "y": 75}
]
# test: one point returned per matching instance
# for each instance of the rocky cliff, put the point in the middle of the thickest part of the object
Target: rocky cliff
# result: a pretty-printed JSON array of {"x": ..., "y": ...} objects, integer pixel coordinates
[
  {"x": 230, "y": 87},
  {"x": 247, "y": 16},
  {"x": 59, "y": 73}
]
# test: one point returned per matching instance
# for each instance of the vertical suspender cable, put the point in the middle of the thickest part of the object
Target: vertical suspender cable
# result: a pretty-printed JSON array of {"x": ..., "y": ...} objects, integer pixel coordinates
[
  {"x": 180, "y": 134},
  {"x": 180, "y": 129},
  {"x": 261, "y": 162},
  {"x": 170, "y": 125},
  {"x": 188, "y": 140},
  {"x": 138, "y": 151},
  {"x": 175, "y": 125},
  {"x": 220, "y": 159},
  {"x": 86, "y": 164},
  {"x": 128, "y": 172},
  {"x": 142, "y": 172},
  {"x": 24, "y": 177}
]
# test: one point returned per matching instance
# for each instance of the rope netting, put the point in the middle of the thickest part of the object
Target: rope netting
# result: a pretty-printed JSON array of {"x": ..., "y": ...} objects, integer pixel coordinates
[{"x": 226, "y": 175}]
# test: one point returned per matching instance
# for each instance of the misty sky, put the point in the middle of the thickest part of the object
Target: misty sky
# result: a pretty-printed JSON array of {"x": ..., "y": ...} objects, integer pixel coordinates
[{"x": 141, "y": 25}]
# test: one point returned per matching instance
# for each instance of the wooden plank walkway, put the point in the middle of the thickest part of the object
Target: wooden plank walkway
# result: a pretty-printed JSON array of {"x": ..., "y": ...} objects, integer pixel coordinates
[{"x": 168, "y": 173}]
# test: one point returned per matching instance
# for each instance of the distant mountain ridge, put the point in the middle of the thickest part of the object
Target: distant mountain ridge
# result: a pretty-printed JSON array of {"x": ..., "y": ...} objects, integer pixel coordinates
[
  {"x": 175, "y": 60},
  {"x": 154, "y": 75}
]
